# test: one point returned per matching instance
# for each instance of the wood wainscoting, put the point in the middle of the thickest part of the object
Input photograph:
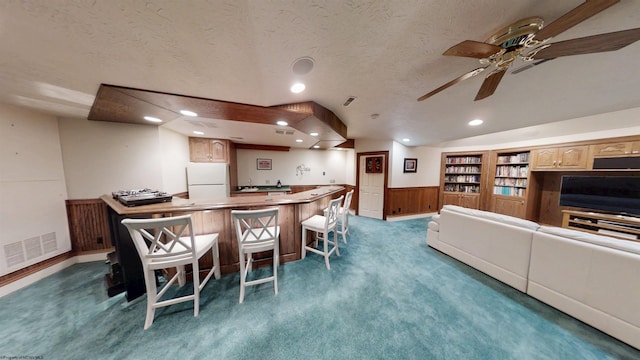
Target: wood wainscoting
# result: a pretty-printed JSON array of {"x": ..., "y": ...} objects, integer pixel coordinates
[
  {"x": 412, "y": 200},
  {"x": 88, "y": 225}
]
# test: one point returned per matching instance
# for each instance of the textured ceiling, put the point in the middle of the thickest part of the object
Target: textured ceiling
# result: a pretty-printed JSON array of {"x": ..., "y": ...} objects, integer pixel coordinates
[{"x": 56, "y": 53}]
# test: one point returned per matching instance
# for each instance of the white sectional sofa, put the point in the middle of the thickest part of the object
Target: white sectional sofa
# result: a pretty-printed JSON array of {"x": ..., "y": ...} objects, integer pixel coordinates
[
  {"x": 590, "y": 277},
  {"x": 495, "y": 244}
]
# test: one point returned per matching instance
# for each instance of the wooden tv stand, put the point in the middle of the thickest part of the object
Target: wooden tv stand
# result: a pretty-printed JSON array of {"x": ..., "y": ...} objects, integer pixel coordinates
[{"x": 618, "y": 226}]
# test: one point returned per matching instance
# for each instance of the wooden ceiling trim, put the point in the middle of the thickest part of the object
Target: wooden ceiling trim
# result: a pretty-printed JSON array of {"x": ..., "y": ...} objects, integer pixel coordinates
[
  {"x": 129, "y": 105},
  {"x": 261, "y": 147},
  {"x": 115, "y": 106}
]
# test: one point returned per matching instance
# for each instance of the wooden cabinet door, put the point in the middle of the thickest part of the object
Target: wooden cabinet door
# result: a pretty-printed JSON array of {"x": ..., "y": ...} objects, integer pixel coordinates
[
  {"x": 451, "y": 199},
  {"x": 470, "y": 201},
  {"x": 199, "y": 150},
  {"x": 573, "y": 157},
  {"x": 208, "y": 150},
  {"x": 544, "y": 158},
  {"x": 218, "y": 150},
  {"x": 611, "y": 149},
  {"x": 635, "y": 148},
  {"x": 510, "y": 206}
]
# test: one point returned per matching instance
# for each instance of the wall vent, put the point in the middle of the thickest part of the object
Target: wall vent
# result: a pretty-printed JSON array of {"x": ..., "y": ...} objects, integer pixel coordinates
[
  {"x": 49, "y": 242},
  {"x": 33, "y": 248},
  {"x": 14, "y": 254},
  {"x": 349, "y": 100},
  {"x": 202, "y": 124},
  {"x": 284, "y": 132}
]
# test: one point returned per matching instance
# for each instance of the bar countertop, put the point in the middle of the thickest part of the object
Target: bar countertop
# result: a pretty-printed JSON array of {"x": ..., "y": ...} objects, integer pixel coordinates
[{"x": 180, "y": 204}]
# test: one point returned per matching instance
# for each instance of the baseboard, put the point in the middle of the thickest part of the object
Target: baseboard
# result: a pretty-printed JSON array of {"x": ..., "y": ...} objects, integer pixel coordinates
[
  {"x": 27, "y": 280},
  {"x": 409, "y": 217}
]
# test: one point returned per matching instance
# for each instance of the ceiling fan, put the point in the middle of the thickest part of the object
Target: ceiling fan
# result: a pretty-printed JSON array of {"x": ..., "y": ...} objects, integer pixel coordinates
[{"x": 528, "y": 39}]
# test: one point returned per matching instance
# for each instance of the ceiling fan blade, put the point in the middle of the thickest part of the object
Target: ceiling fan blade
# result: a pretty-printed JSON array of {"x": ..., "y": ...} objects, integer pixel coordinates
[
  {"x": 473, "y": 49},
  {"x": 453, "y": 82},
  {"x": 573, "y": 17},
  {"x": 530, "y": 65},
  {"x": 490, "y": 84},
  {"x": 590, "y": 44}
]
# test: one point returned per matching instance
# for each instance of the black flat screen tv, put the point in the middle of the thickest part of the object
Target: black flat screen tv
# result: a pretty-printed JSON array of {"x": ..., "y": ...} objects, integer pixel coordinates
[{"x": 610, "y": 194}]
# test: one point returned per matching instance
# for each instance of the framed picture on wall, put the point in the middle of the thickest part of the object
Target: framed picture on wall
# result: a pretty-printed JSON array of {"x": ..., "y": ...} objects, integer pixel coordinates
[
  {"x": 263, "y": 164},
  {"x": 410, "y": 165},
  {"x": 373, "y": 164}
]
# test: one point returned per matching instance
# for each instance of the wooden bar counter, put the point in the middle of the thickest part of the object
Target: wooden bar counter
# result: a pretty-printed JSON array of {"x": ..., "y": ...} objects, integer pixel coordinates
[{"x": 214, "y": 216}]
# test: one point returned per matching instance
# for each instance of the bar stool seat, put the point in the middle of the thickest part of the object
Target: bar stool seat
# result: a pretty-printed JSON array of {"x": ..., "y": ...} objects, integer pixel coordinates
[
  {"x": 169, "y": 242},
  {"x": 322, "y": 225}
]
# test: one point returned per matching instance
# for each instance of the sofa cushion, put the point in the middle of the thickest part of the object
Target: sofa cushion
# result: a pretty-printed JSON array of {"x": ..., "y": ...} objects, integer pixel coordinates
[
  {"x": 505, "y": 219},
  {"x": 610, "y": 242},
  {"x": 433, "y": 225}
]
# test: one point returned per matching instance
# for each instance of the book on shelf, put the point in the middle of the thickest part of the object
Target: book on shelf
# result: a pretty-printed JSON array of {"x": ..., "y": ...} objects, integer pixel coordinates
[{"x": 513, "y": 158}]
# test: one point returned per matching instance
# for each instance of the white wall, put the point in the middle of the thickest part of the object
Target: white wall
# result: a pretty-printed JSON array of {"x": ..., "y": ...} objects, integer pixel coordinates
[
  {"x": 324, "y": 167},
  {"x": 101, "y": 157},
  {"x": 174, "y": 155},
  {"x": 32, "y": 189},
  {"x": 424, "y": 175}
]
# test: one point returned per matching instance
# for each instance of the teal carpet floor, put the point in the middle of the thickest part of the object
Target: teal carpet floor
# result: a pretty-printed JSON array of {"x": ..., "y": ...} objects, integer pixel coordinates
[{"x": 388, "y": 296}]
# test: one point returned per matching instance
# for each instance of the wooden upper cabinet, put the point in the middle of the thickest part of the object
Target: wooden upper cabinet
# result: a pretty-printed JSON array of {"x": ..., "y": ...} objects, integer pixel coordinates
[
  {"x": 208, "y": 150},
  {"x": 560, "y": 158},
  {"x": 624, "y": 148}
]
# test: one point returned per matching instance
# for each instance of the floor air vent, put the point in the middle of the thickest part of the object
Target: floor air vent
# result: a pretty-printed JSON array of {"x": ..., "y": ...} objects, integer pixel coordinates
[
  {"x": 33, "y": 248},
  {"x": 49, "y": 242},
  {"x": 14, "y": 254}
]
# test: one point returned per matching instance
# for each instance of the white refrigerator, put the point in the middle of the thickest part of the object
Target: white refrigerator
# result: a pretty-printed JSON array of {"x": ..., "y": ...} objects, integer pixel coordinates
[{"x": 208, "y": 180}]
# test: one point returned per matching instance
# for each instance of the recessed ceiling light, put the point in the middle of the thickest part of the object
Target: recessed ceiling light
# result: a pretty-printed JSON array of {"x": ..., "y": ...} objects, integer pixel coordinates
[
  {"x": 406, "y": 139},
  {"x": 298, "y": 140},
  {"x": 198, "y": 132},
  {"x": 316, "y": 146},
  {"x": 188, "y": 113},
  {"x": 152, "y": 119},
  {"x": 475, "y": 122},
  {"x": 282, "y": 123},
  {"x": 297, "y": 88},
  {"x": 313, "y": 134}
]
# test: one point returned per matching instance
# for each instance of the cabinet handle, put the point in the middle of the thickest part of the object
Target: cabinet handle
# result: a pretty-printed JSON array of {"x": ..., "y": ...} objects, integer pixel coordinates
[
  {"x": 559, "y": 163},
  {"x": 554, "y": 163}
]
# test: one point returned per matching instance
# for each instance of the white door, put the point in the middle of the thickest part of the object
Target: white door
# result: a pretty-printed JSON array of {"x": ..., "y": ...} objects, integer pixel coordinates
[{"x": 371, "y": 196}]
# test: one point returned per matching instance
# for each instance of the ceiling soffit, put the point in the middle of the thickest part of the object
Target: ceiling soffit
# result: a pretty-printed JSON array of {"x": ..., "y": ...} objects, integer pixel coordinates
[{"x": 128, "y": 105}]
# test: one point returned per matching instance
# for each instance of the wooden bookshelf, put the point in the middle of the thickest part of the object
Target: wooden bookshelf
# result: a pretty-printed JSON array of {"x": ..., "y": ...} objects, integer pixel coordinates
[
  {"x": 462, "y": 179},
  {"x": 510, "y": 179}
]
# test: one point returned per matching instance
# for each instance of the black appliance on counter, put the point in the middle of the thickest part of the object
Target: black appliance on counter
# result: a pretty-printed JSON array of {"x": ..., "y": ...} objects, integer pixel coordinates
[{"x": 140, "y": 197}]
